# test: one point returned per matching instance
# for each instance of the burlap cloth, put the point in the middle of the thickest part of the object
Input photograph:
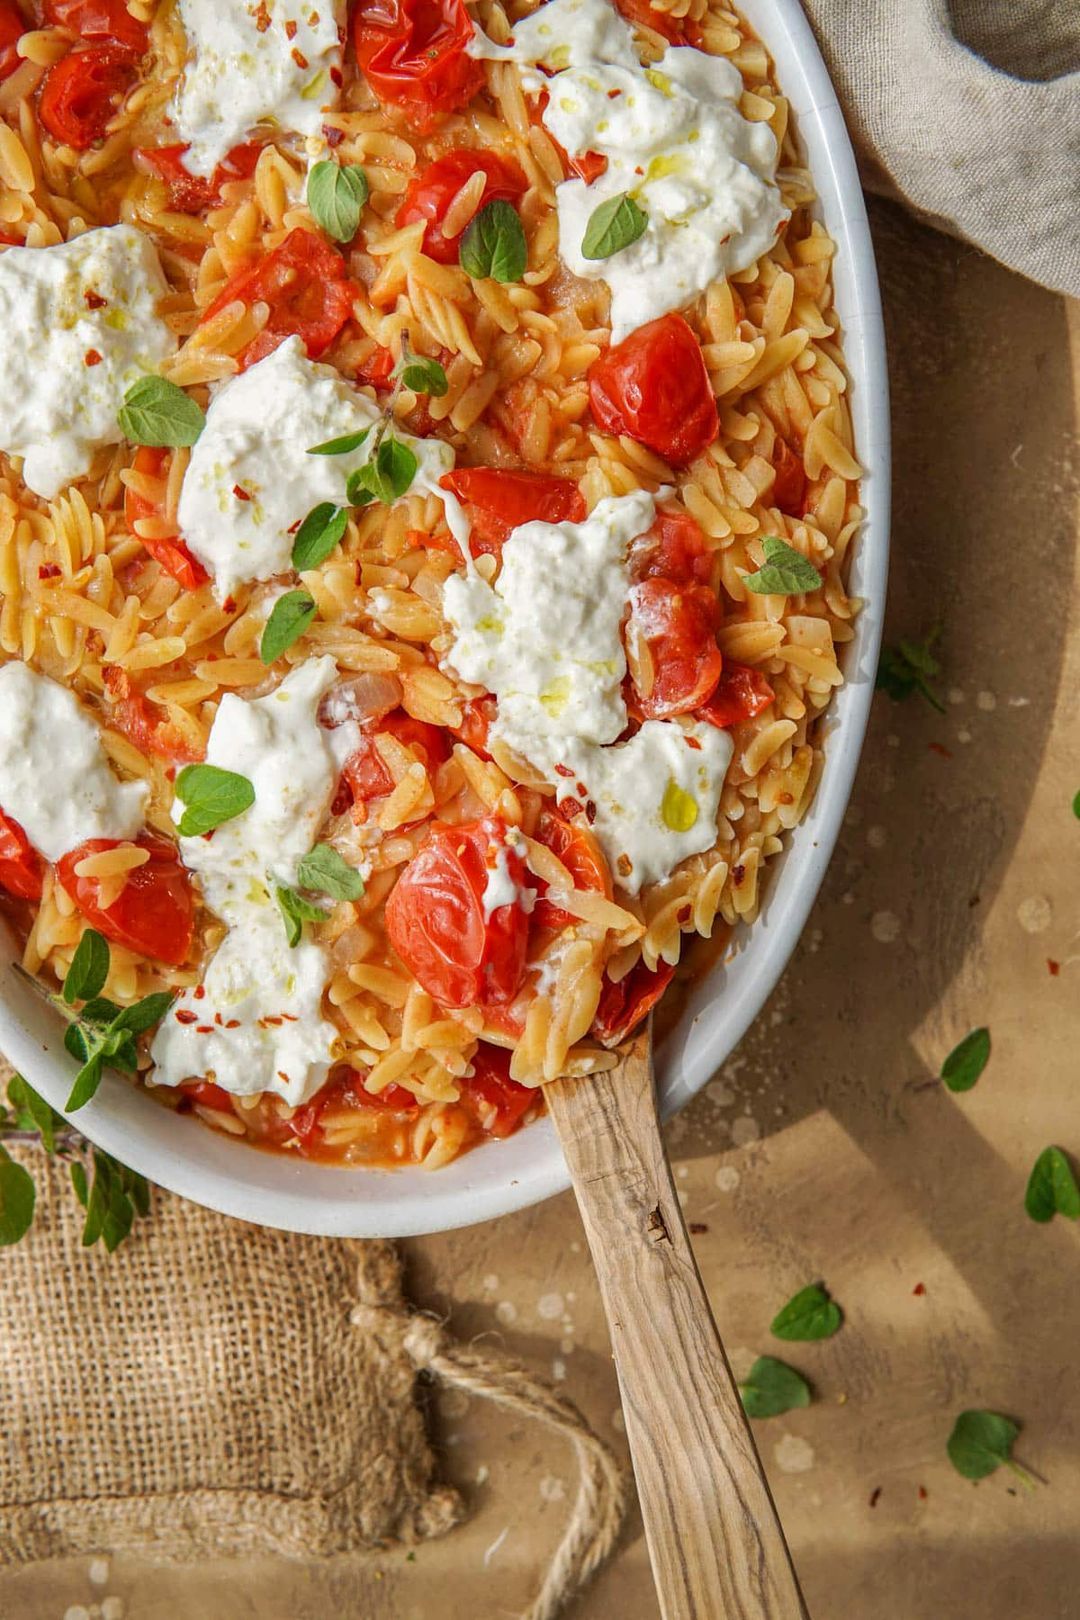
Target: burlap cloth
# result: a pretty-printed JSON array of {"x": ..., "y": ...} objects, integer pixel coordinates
[{"x": 969, "y": 112}]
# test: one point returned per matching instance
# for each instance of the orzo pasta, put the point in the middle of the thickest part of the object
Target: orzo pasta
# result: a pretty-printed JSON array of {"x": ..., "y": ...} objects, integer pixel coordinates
[{"x": 426, "y": 498}]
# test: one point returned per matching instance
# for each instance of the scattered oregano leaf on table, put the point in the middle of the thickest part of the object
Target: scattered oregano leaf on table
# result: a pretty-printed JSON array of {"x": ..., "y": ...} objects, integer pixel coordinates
[
  {"x": 1052, "y": 1188},
  {"x": 967, "y": 1060},
  {"x": 980, "y": 1442},
  {"x": 810, "y": 1314},
  {"x": 772, "y": 1387},
  {"x": 908, "y": 667}
]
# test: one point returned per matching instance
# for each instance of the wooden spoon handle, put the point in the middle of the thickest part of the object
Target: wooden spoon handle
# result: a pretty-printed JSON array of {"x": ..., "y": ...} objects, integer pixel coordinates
[{"x": 714, "y": 1538}]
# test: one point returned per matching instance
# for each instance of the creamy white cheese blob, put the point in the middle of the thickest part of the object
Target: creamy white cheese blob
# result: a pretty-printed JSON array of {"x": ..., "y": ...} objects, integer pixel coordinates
[
  {"x": 674, "y": 138},
  {"x": 275, "y": 63},
  {"x": 500, "y": 888},
  {"x": 251, "y": 481},
  {"x": 80, "y": 325},
  {"x": 55, "y": 777},
  {"x": 547, "y": 640},
  {"x": 256, "y": 1023}
]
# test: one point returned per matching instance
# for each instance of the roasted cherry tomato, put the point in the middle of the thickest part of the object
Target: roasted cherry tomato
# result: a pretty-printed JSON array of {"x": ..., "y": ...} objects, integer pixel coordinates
[
  {"x": 21, "y": 867},
  {"x": 154, "y": 912},
  {"x": 579, "y": 852},
  {"x": 740, "y": 694},
  {"x": 376, "y": 370},
  {"x": 104, "y": 20},
  {"x": 81, "y": 92},
  {"x": 147, "y": 725},
  {"x": 434, "y": 189},
  {"x": 344, "y": 1092},
  {"x": 498, "y": 1103},
  {"x": 366, "y": 773},
  {"x": 205, "y": 1094},
  {"x": 674, "y": 548},
  {"x": 412, "y": 53},
  {"x": 477, "y": 717},
  {"x": 172, "y": 554},
  {"x": 676, "y": 30},
  {"x": 191, "y": 193},
  {"x": 623, "y": 1006},
  {"x": 654, "y": 387},
  {"x": 436, "y": 919},
  {"x": 678, "y": 624},
  {"x": 497, "y": 501},
  {"x": 789, "y": 488},
  {"x": 306, "y": 284},
  {"x": 13, "y": 25}
]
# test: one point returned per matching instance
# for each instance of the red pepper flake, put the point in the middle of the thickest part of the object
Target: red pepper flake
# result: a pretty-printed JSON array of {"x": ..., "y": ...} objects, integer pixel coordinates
[
  {"x": 240, "y": 492},
  {"x": 923, "y": 1493},
  {"x": 91, "y": 358},
  {"x": 290, "y": 1018},
  {"x": 234, "y": 1023},
  {"x": 1054, "y": 967},
  {"x": 692, "y": 742},
  {"x": 217, "y": 1018},
  {"x": 611, "y": 95},
  {"x": 262, "y": 17},
  {"x": 299, "y": 58},
  {"x": 875, "y": 1496},
  {"x": 94, "y": 300},
  {"x": 590, "y": 812},
  {"x": 48, "y": 571},
  {"x": 624, "y": 866},
  {"x": 204, "y": 1029},
  {"x": 228, "y": 606},
  {"x": 274, "y": 1019},
  {"x": 185, "y": 1017},
  {"x": 564, "y": 770},
  {"x": 737, "y": 874},
  {"x": 283, "y": 1076},
  {"x": 199, "y": 992},
  {"x": 919, "y": 1289},
  {"x": 638, "y": 169},
  {"x": 290, "y": 29},
  {"x": 697, "y": 1228},
  {"x": 939, "y": 748}
]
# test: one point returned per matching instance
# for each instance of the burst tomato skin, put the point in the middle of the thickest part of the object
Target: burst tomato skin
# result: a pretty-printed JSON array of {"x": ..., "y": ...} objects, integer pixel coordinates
[
  {"x": 623, "y": 1006},
  {"x": 740, "y": 694},
  {"x": 653, "y": 386},
  {"x": 497, "y": 501},
  {"x": 678, "y": 623},
  {"x": 676, "y": 30},
  {"x": 477, "y": 718},
  {"x": 306, "y": 284},
  {"x": 673, "y": 548},
  {"x": 366, "y": 773},
  {"x": 436, "y": 923},
  {"x": 13, "y": 26},
  {"x": 108, "y": 20},
  {"x": 191, "y": 193},
  {"x": 434, "y": 188},
  {"x": 154, "y": 913},
  {"x": 81, "y": 92},
  {"x": 21, "y": 867},
  {"x": 148, "y": 726},
  {"x": 789, "y": 487},
  {"x": 579, "y": 852},
  {"x": 490, "y": 1087},
  {"x": 412, "y": 53},
  {"x": 172, "y": 554}
]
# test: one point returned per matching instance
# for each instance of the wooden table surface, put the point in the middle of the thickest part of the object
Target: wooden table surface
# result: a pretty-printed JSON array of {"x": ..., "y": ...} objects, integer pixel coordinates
[{"x": 814, "y": 1154}]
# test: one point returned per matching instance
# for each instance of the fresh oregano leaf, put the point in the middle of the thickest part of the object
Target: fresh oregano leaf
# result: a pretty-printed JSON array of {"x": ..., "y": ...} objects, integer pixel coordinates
[
  {"x": 811, "y": 1314},
  {"x": 423, "y": 376},
  {"x": 89, "y": 968},
  {"x": 336, "y": 194},
  {"x": 327, "y": 872},
  {"x": 32, "y": 1112},
  {"x": 320, "y": 532},
  {"x": 493, "y": 244},
  {"x": 615, "y": 225},
  {"x": 1076, "y": 806},
  {"x": 144, "y": 1014},
  {"x": 773, "y": 1387},
  {"x": 77, "y": 1042},
  {"x": 342, "y": 446},
  {"x": 785, "y": 571},
  {"x": 967, "y": 1060},
  {"x": 909, "y": 667},
  {"x": 17, "y": 1196},
  {"x": 78, "y": 1181},
  {"x": 211, "y": 796},
  {"x": 99, "y": 1011},
  {"x": 158, "y": 413},
  {"x": 289, "y": 618},
  {"x": 356, "y": 490},
  {"x": 980, "y": 1442},
  {"x": 296, "y": 911},
  {"x": 86, "y": 1082},
  {"x": 1051, "y": 1188},
  {"x": 389, "y": 473}
]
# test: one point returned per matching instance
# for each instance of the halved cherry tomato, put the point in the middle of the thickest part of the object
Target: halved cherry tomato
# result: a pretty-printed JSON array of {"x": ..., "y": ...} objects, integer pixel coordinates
[
  {"x": 477, "y": 717},
  {"x": 654, "y": 387},
  {"x": 497, "y": 501},
  {"x": 148, "y": 726},
  {"x": 81, "y": 92},
  {"x": 172, "y": 554},
  {"x": 191, "y": 193},
  {"x": 676, "y": 30},
  {"x": 579, "y": 852},
  {"x": 13, "y": 25},
  {"x": 366, "y": 773},
  {"x": 674, "y": 548},
  {"x": 154, "y": 912},
  {"x": 498, "y": 1103},
  {"x": 306, "y": 284},
  {"x": 740, "y": 694},
  {"x": 623, "y": 1006},
  {"x": 434, "y": 189},
  {"x": 678, "y": 624},
  {"x": 412, "y": 53},
  {"x": 99, "y": 20},
  {"x": 21, "y": 867},
  {"x": 436, "y": 922},
  {"x": 348, "y": 1091},
  {"x": 789, "y": 487}
]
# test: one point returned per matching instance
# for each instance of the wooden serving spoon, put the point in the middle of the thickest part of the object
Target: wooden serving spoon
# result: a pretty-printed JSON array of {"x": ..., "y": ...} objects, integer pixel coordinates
[{"x": 715, "y": 1541}]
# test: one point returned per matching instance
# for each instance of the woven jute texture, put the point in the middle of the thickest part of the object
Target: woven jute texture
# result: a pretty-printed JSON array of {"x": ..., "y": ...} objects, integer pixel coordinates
[{"x": 205, "y": 1390}]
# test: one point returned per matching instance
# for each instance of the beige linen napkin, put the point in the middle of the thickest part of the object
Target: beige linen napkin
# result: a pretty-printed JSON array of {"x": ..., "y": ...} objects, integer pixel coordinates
[{"x": 969, "y": 111}]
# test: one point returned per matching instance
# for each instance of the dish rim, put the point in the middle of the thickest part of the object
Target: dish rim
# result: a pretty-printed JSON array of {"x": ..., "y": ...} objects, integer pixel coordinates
[{"x": 499, "y": 1178}]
